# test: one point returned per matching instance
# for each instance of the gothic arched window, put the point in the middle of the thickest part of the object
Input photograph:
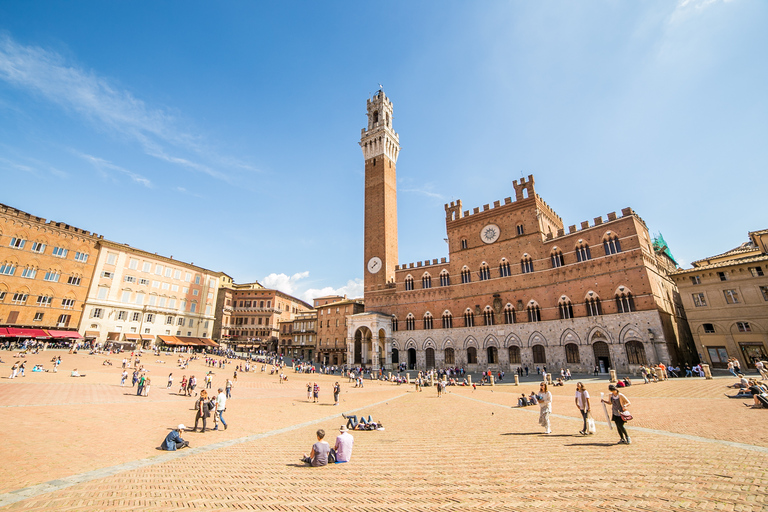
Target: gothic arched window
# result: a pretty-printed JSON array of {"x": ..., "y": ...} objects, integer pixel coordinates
[
  {"x": 485, "y": 272},
  {"x": 611, "y": 244},
  {"x": 410, "y": 322},
  {"x": 557, "y": 258},
  {"x": 526, "y": 264},
  {"x": 509, "y": 314},
  {"x": 504, "y": 270},
  {"x": 427, "y": 320},
  {"x": 465, "y": 276},
  {"x": 582, "y": 252},
  {"x": 445, "y": 279},
  {"x": 447, "y": 320},
  {"x": 488, "y": 316},
  {"x": 409, "y": 282},
  {"x": 592, "y": 302},
  {"x": 566, "y": 308},
  {"x": 534, "y": 312},
  {"x": 426, "y": 280},
  {"x": 469, "y": 318}
]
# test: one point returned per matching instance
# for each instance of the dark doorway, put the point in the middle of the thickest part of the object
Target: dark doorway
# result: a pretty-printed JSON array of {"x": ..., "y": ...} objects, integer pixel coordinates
[
  {"x": 411, "y": 358},
  {"x": 602, "y": 356}
]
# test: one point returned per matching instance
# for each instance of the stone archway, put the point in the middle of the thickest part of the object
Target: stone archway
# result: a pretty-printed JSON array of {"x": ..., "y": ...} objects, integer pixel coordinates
[
  {"x": 362, "y": 347},
  {"x": 411, "y": 358}
]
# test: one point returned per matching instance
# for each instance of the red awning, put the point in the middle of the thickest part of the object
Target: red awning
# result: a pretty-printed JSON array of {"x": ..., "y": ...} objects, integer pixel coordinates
[
  {"x": 3, "y": 332},
  {"x": 27, "y": 333},
  {"x": 64, "y": 334}
]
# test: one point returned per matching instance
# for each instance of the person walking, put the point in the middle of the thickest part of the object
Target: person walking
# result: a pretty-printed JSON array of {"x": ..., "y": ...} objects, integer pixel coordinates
[
  {"x": 123, "y": 377},
  {"x": 142, "y": 380},
  {"x": 545, "y": 404},
  {"x": 170, "y": 381},
  {"x": 582, "y": 402},
  {"x": 229, "y": 388},
  {"x": 221, "y": 406},
  {"x": 145, "y": 388},
  {"x": 336, "y": 391},
  {"x": 619, "y": 404},
  {"x": 315, "y": 393},
  {"x": 203, "y": 412}
]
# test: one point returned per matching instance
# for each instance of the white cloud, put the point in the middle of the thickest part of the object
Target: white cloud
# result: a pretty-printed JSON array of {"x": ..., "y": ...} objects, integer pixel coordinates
[
  {"x": 292, "y": 286},
  {"x": 353, "y": 289},
  {"x": 104, "y": 166},
  {"x": 108, "y": 106},
  {"x": 283, "y": 282}
]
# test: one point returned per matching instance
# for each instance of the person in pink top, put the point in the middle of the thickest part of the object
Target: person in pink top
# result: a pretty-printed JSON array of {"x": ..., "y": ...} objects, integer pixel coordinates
[{"x": 343, "y": 448}]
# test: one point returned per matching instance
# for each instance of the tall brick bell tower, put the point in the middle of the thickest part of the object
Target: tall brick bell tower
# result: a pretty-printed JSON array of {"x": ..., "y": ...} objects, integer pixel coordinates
[{"x": 380, "y": 145}]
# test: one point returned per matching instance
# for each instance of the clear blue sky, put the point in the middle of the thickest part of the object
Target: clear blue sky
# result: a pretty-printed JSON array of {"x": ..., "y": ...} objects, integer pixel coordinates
[{"x": 225, "y": 133}]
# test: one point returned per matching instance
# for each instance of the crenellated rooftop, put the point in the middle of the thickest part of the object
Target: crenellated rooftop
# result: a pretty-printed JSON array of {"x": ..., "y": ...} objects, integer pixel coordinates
[{"x": 11, "y": 211}]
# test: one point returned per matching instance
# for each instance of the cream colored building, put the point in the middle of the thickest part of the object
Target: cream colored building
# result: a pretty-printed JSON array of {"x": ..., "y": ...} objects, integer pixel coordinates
[
  {"x": 137, "y": 295},
  {"x": 726, "y": 301}
]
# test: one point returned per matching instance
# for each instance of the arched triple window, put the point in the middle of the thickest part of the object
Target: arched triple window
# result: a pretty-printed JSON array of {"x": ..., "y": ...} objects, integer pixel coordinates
[
  {"x": 445, "y": 279},
  {"x": 427, "y": 320},
  {"x": 426, "y": 280},
  {"x": 557, "y": 258},
  {"x": 485, "y": 272},
  {"x": 465, "y": 276},
  {"x": 409, "y": 282},
  {"x": 469, "y": 318},
  {"x": 582, "y": 251},
  {"x": 624, "y": 301},
  {"x": 526, "y": 264},
  {"x": 447, "y": 320},
  {"x": 410, "y": 322},
  {"x": 504, "y": 269},
  {"x": 534, "y": 312},
  {"x": 566, "y": 308},
  {"x": 611, "y": 244},
  {"x": 394, "y": 324},
  {"x": 488, "y": 315},
  {"x": 592, "y": 302},
  {"x": 509, "y": 314}
]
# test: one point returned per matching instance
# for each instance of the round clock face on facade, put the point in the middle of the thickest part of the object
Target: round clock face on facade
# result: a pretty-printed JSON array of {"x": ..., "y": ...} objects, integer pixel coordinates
[
  {"x": 490, "y": 233},
  {"x": 374, "y": 264}
]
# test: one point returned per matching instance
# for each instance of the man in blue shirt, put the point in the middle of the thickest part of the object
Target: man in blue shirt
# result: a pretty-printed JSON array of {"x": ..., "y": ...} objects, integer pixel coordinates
[{"x": 173, "y": 440}]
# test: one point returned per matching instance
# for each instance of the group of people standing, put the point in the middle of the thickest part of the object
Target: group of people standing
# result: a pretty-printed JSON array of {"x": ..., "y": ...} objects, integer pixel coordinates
[{"x": 618, "y": 402}]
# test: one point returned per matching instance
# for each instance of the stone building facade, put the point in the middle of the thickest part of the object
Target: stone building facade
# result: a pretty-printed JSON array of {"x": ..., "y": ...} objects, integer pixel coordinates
[
  {"x": 726, "y": 301},
  {"x": 517, "y": 288},
  {"x": 45, "y": 272},
  {"x": 332, "y": 324},
  {"x": 136, "y": 296},
  {"x": 249, "y": 315}
]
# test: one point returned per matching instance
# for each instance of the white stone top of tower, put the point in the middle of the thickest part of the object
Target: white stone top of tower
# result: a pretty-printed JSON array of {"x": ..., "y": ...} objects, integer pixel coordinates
[{"x": 379, "y": 138}]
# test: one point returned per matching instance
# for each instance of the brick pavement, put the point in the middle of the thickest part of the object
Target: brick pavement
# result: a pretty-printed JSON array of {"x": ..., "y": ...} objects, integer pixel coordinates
[{"x": 465, "y": 451}]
